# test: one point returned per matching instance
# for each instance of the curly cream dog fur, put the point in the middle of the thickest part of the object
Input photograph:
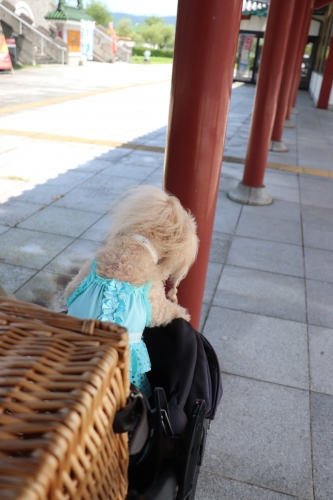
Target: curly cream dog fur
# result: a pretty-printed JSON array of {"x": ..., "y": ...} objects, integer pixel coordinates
[{"x": 171, "y": 230}]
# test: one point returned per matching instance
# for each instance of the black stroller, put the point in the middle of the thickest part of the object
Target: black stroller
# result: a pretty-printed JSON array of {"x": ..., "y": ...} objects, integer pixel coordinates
[{"x": 167, "y": 435}]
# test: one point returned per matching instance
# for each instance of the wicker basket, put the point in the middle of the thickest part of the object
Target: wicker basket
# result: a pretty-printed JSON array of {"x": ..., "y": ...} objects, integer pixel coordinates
[{"x": 61, "y": 381}]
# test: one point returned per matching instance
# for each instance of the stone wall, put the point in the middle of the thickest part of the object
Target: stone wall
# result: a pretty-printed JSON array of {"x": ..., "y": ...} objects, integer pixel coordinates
[{"x": 38, "y": 9}]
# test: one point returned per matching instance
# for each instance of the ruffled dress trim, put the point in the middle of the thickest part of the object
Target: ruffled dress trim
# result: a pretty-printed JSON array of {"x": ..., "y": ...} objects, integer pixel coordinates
[{"x": 114, "y": 305}]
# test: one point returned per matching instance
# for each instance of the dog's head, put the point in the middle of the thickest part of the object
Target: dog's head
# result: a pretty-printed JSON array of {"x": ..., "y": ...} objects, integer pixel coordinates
[{"x": 151, "y": 212}]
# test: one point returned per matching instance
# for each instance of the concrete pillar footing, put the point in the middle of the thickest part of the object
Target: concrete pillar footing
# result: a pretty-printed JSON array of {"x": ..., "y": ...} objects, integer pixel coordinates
[
  {"x": 278, "y": 147},
  {"x": 289, "y": 124},
  {"x": 294, "y": 111},
  {"x": 249, "y": 195}
]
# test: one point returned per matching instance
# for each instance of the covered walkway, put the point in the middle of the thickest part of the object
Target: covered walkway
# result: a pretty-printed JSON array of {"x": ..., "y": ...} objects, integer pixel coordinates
[
  {"x": 269, "y": 291},
  {"x": 269, "y": 315}
]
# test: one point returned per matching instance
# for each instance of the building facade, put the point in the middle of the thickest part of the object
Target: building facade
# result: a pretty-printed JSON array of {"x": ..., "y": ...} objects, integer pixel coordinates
[{"x": 34, "y": 9}]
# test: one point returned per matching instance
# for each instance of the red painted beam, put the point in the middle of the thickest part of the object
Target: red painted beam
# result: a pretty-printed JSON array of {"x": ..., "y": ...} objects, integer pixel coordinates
[
  {"x": 269, "y": 79},
  {"x": 326, "y": 85},
  {"x": 301, "y": 47},
  {"x": 295, "y": 35},
  {"x": 204, "y": 57},
  {"x": 319, "y": 4}
]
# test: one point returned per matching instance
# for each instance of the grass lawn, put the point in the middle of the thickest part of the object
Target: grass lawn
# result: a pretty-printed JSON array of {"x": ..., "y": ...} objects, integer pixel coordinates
[{"x": 153, "y": 60}]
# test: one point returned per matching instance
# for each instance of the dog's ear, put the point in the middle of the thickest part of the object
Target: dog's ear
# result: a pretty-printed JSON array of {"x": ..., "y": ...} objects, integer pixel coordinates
[{"x": 172, "y": 294}]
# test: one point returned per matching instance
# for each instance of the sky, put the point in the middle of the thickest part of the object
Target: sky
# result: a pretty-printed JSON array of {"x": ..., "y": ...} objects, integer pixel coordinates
[{"x": 143, "y": 7}]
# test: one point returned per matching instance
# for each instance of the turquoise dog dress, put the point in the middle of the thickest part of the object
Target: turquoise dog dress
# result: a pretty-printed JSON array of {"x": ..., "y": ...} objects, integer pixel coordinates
[{"x": 121, "y": 303}]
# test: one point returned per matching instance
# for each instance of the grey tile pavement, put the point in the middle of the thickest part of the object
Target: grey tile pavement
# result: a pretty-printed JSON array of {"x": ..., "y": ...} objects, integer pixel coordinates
[
  {"x": 262, "y": 292},
  {"x": 261, "y": 436},
  {"x": 58, "y": 220},
  {"x": 13, "y": 211},
  {"x": 317, "y": 227},
  {"x": 284, "y": 210},
  {"x": 213, "y": 486},
  {"x": 265, "y": 255},
  {"x": 322, "y": 436},
  {"x": 319, "y": 264},
  {"x": 69, "y": 261},
  {"x": 32, "y": 249},
  {"x": 272, "y": 327},
  {"x": 319, "y": 303},
  {"x": 269, "y": 228},
  {"x": 321, "y": 355},
  {"x": 260, "y": 347}
]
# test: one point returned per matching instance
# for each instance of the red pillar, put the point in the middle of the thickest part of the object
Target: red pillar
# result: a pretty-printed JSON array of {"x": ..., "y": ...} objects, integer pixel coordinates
[
  {"x": 270, "y": 72},
  {"x": 295, "y": 35},
  {"x": 301, "y": 47},
  {"x": 319, "y": 4},
  {"x": 326, "y": 84},
  {"x": 204, "y": 57}
]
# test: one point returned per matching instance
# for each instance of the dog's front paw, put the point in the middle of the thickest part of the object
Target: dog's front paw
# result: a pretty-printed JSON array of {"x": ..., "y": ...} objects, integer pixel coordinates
[{"x": 183, "y": 313}]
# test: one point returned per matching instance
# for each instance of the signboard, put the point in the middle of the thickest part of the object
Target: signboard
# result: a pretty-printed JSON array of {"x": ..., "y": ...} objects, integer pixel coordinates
[
  {"x": 74, "y": 41},
  {"x": 87, "y": 39},
  {"x": 245, "y": 49},
  {"x": 11, "y": 42},
  {"x": 5, "y": 60}
]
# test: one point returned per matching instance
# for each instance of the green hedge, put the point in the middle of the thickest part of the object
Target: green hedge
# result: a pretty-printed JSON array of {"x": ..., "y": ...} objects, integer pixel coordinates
[{"x": 139, "y": 51}]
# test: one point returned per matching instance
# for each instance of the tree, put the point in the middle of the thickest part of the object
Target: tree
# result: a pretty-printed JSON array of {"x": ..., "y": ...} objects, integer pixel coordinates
[
  {"x": 156, "y": 33},
  {"x": 149, "y": 21},
  {"x": 124, "y": 28},
  {"x": 151, "y": 34},
  {"x": 98, "y": 10},
  {"x": 167, "y": 36}
]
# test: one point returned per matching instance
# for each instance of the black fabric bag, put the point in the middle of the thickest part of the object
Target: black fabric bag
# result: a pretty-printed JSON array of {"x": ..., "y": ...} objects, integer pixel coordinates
[
  {"x": 169, "y": 432},
  {"x": 185, "y": 364}
]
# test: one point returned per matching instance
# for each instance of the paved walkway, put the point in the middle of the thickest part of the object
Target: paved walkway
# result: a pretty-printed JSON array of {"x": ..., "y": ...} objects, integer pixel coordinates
[{"x": 268, "y": 301}]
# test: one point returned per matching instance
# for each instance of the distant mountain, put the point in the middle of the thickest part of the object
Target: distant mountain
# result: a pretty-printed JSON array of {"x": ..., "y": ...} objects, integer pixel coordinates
[{"x": 139, "y": 19}]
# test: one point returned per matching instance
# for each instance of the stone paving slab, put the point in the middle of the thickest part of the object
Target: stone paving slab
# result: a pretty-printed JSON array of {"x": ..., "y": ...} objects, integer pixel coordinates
[
  {"x": 70, "y": 260},
  {"x": 269, "y": 228},
  {"x": 322, "y": 437},
  {"x": 98, "y": 231},
  {"x": 59, "y": 220},
  {"x": 260, "y": 347},
  {"x": 32, "y": 249},
  {"x": 318, "y": 227},
  {"x": 212, "y": 278},
  {"x": 13, "y": 211},
  {"x": 13, "y": 276},
  {"x": 100, "y": 201},
  {"x": 220, "y": 247},
  {"x": 321, "y": 355},
  {"x": 266, "y": 256},
  {"x": 319, "y": 264},
  {"x": 285, "y": 210},
  {"x": 211, "y": 486},
  {"x": 319, "y": 303},
  {"x": 316, "y": 192},
  {"x": 265, "y": 438},
  {"x": 261, "y": 292},
  {"x": 45, "y": 289},
  {"x": 284, "y": 193}
]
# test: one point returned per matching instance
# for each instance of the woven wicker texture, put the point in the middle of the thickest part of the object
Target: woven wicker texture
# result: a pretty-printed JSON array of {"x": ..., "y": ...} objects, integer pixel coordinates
[{"x": 61, "y": 381}]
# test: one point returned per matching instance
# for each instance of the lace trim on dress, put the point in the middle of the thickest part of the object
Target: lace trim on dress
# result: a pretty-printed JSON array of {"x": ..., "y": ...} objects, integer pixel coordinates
[
  {"x": 147, "y": 303},
  {"x": 114, "y": 301}
]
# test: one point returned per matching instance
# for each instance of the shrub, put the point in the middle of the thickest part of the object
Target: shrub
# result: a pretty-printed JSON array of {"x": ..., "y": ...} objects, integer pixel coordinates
[{"x": 139, "y": 51}]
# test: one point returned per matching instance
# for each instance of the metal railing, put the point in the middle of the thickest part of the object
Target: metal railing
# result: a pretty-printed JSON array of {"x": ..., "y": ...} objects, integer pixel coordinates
[{"x": 36, "y": 31}]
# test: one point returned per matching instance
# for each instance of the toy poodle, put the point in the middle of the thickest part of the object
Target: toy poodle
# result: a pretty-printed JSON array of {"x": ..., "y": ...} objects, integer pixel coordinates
[{"x": 152, "y": 240}]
